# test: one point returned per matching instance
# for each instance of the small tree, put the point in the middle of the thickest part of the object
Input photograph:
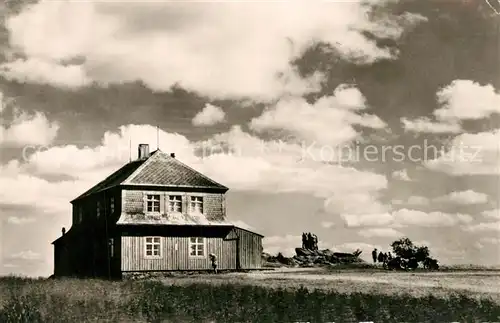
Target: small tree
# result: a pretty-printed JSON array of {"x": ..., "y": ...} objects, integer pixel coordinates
[
  {"x": 421, "y": 253},
  {"x": 405, "y": 249}
]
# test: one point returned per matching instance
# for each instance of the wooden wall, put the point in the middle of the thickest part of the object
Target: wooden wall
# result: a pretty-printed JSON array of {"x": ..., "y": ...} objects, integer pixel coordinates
[
  {"x": 79, "y": 256},
  {"x": 250, "y": 245},
  {"x": 176, "y": 257},
  {"x": 89, "y": 208},
  {"x": 175, "y": 253}
]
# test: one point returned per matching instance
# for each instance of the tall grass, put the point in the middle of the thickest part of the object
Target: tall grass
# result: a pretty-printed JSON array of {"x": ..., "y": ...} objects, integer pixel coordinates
[{"x": 72, "y": 300}]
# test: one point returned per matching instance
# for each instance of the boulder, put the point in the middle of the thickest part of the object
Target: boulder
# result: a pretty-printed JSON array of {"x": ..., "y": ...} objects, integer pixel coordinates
[
  {"x": 321, "y": 261},
  {"x": 343, "y": 254},
  {"x": 326, "y": 252},
  {"x": 303, "y": 252},
  {"x": 311, "y": 258},
  {"x": 334, "y": 259}
]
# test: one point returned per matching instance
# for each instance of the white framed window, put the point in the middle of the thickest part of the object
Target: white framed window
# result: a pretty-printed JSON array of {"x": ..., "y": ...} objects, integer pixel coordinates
[
  {"x": 175, "y": 203},
  {"x": 197, "y": 247},
  {"x": 153, "y": 203},
  {"x": 152, "y": 247},
  {"x": 98, "y": 209},
  {"x": 111, "y": 205},
  {"x": 196, "y": 204}
]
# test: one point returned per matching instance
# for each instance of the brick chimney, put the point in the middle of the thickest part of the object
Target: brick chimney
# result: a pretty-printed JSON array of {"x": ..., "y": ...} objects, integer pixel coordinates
[{"x": 143, "y": 151}]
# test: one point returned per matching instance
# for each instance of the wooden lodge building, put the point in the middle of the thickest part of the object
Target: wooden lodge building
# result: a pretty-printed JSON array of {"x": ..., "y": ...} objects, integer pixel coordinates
[{"x": 153, "y": 214}]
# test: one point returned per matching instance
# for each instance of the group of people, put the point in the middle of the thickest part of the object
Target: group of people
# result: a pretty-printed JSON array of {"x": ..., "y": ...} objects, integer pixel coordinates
[
  {"x": 382, "y": 257},
  {"x": 309, "y": 241}
]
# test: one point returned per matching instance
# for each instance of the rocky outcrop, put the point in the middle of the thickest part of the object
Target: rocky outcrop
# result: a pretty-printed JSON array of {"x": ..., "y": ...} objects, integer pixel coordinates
[{"x": 313, "y": 258}]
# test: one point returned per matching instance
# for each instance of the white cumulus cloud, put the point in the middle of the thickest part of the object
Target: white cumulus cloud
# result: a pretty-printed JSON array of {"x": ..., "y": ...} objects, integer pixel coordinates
[
  {"x": 426, "y": 125},
  {"x": 219, "y": 49},
  {"x": 401, "y": 175},
  {"x": 465, "y": 99},
  {"x": 492, "y": 214},
  {"x": 24, "y": 129},
  {"x": 209, "y": 116},
  {"x": 470, "y": 154},
  {"x": 464, "y": 197},
  {"x": 460, "y": 100},
  {"x": 380, "y": 232},
  {"x": 313, "y": 122}
]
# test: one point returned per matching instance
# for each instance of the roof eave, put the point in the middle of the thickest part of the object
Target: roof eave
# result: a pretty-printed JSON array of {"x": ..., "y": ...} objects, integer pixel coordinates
[
  {"x": 58, "y": 239},
  {"x": 96, "y": 192},
  {"x": 220, "y": 188},
  {"x": 262, "y": 236},
  {"x": 89, "y": 191},
  {"x": 191, "y": 225}
]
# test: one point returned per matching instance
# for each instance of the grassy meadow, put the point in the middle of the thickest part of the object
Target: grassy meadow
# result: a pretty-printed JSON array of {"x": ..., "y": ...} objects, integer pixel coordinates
[{"x": 75, "y": 300}]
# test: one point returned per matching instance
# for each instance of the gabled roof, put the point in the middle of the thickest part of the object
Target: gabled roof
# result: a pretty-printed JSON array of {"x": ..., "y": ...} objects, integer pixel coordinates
[{"x": 159, "y": 169}]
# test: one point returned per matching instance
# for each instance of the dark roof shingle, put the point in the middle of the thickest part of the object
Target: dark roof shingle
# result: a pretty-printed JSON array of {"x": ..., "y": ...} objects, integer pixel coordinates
[
  {"x": 114, "y": 179},
  {"x": 165, "y": 170},
  {"x": 158, "y": 169}
]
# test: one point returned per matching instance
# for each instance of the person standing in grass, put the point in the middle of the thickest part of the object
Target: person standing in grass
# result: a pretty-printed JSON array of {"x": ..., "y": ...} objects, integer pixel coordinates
[
  {"x": 374, "y": 255},
  {"x": 213, "y": 259},
  {"x": 380, "y": 257},
  {"x": 386, "y": 257}
]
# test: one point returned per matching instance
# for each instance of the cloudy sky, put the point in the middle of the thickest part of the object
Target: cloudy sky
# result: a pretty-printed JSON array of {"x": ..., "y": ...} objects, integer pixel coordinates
[{"x": 361, "y": 121}]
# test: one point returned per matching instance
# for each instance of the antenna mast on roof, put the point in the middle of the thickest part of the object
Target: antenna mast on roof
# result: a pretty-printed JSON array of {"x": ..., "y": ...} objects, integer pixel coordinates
[{"x": 157, "y": 137}]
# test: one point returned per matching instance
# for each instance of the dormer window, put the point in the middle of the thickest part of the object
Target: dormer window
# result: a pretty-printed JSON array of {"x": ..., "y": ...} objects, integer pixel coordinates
[
  {"x": 153, "y": 203},
  {"x": 196, "y": 205},
  {"x": 98, "y": 209},
  {"x": 175, "y": 203}
]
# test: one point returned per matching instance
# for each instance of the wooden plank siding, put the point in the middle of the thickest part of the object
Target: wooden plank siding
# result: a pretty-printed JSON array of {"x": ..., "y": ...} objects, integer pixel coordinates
[
  {"x": 238, "y": 247},
  {"x": 176, "y": 257},
  {"x": 250, "y": 249}
]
